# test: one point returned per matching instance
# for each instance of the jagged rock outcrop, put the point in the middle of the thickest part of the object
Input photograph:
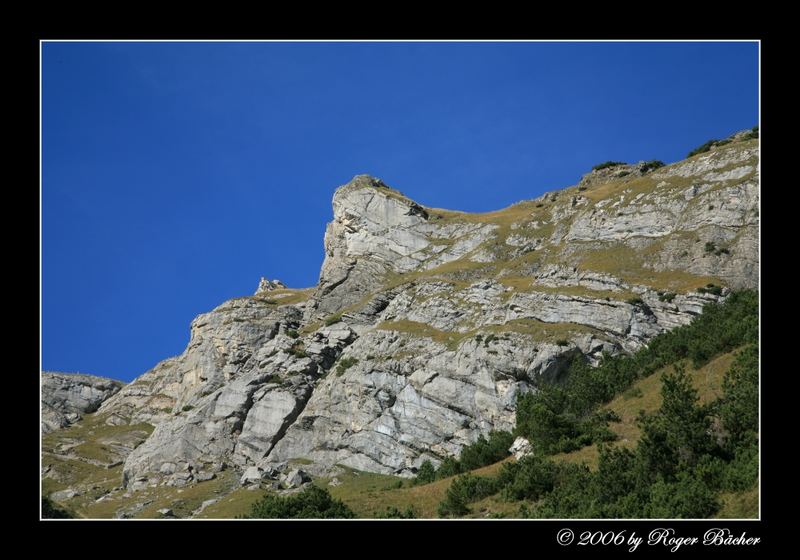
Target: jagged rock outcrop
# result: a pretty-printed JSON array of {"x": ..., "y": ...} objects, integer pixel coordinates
[
  {"x": 427, "y": 324},
  {"x": 265, "y": 285},
  {"x": 67, "y": 396}
]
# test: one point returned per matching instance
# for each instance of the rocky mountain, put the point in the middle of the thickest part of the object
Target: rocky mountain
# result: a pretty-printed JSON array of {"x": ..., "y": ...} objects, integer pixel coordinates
[
  {"x": 426, "y": 324},
  {"x": 67, "y": 396}
]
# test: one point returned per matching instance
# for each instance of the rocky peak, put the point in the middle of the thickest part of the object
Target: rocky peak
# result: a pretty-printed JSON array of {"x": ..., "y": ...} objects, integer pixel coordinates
[
  {"x": 269, "y": 285},
  {"x": 375, "y": 229}
]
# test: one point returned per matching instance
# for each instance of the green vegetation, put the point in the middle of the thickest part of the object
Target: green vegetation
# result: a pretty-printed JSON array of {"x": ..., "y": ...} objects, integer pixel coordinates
[
  {"x": 333, "y": 319},
  {"x": 666, "y": 296},
  {"x": 392, "y": 512},
  {"x": 607, "y": 164},
  {"x": 651, "y": 165},
  {"x": 187, "y": 408},
  {"x": 464, "y": 489},
  {"x": 479, "y": 454},
  {"x": 691, "y": 456},
  {"x": 711, "y": 289},
  {"x": 54, "y": 511},
  {"x": 292, "y": 333},
  {"x": 752, "y": 134},
  {"x": 560, "y": 418},
  {"x": 707, "y": 147},
  {"x": 694, "y": 455},
  {"x": 345, "y": 364},
  {"x": 312, "y": 503}
]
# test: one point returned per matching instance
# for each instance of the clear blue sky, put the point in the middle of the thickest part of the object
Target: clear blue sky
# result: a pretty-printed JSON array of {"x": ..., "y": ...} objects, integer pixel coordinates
[{"x": 175, "y": 175}]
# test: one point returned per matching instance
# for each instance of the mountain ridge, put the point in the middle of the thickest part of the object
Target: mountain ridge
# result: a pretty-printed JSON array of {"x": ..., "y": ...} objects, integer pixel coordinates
[{"x": 426, "y": 323}]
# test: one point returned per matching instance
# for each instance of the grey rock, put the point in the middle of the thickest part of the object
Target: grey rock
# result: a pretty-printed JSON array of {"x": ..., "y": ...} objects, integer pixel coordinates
[
  {"x": 437, "y": 355},
  {"x": 62, "y": 495},
  {"x": 296, "y": 478},
  {"x": 520, "y": 448},
  {"x": 265, "y": 285},
  {"x": 252, "y": 475},
  {"x": 67, "y": 396}
]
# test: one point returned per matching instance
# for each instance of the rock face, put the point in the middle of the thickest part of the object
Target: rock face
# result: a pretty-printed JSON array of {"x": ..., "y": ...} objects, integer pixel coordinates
[
  {"x": 427, "y": 324},
  {"x": 67, "y": 396}
]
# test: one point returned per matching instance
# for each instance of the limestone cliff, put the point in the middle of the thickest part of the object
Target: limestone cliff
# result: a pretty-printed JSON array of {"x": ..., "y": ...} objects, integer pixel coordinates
[
  {"x": 67, "y": 396},
  {"x": 426, "y": 324}
]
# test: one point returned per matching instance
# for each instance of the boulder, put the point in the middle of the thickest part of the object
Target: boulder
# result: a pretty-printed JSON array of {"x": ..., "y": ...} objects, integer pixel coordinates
[
  {"x": 521, "y": 448},
  {"x": 252, "y": 475}
]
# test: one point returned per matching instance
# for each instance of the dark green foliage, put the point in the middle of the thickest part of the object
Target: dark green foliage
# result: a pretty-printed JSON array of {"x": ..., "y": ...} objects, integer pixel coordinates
[
  {"x": 489, "y": 338},
  {"x": 394, "y": 513},
  {"x": 651, "y": 165},
  {"x": 711, "y": 289},
  {"x": 711, "y": 247},
  {"x": 51, "y": 510},
  {"x": 449, "y": 467},
  {"x": 187, "y": 407},
  {"x": 465, "y": 489},
  {"x": 571, "y": 496},
  {"x": 485, "y": 451},
  {"x": 345, "y": 364},
  {"x": 741, "y": 472},
  {"x": 707, "y": 147},
  {"x": 666, "y": 296},
  {"x": 752, "y": 134},
  {"x": 686, "y": 498},
  {"x": 562, "y": 342},
  {"x": 274, "y": 378},
  {"x": 607, "y": 164},
  {"x": 641, "y": 305},
  {"x": 738, "y": 409},
  {"x": 623, "y": 173},
  {"x": 558, "y": 418},
  {"x": 674, "y": 438},
  {"x": 292, "y": 333},
  {"x": 474, "y": 456},
  {"x": 426, "y": 473},
  {"x": 528, "y": 479},
  {"x": 311, "y": 503}
]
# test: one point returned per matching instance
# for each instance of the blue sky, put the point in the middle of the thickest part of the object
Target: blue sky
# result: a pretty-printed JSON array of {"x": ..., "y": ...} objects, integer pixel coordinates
[{"x": 174, "y": 175}]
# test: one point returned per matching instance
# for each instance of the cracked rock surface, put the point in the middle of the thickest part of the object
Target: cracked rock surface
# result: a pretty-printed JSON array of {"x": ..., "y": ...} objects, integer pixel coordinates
[{"x": 427, "y": 324}]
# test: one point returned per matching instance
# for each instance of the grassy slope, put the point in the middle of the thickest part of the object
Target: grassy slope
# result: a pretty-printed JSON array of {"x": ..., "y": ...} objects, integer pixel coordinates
[
  {"x": 79, "y": 456},
  {"x": 645, "y": 395}
]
